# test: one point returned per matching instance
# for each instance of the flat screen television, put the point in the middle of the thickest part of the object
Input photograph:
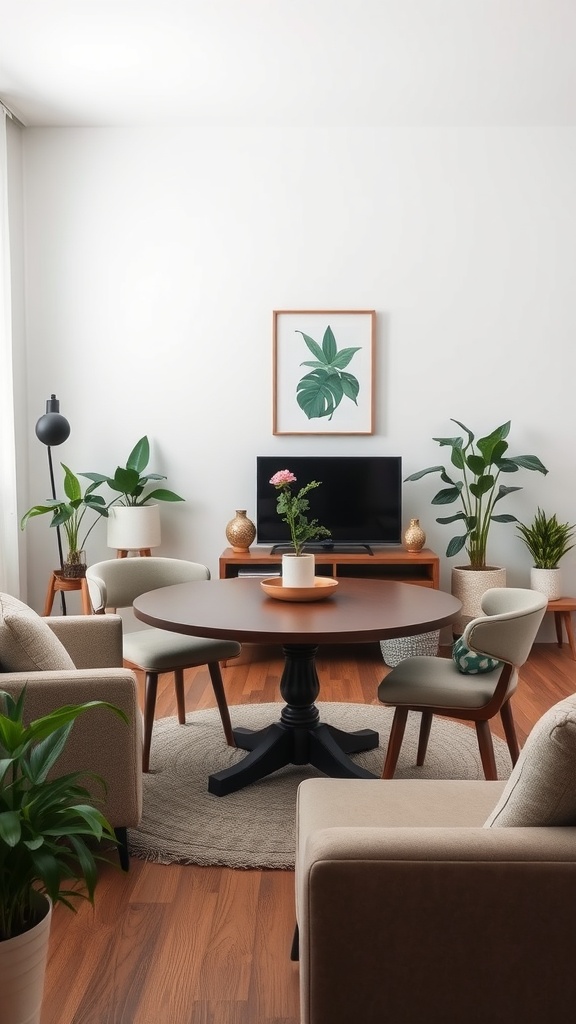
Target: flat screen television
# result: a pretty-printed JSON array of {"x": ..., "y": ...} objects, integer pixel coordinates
[{"x": 359, "y": 500}]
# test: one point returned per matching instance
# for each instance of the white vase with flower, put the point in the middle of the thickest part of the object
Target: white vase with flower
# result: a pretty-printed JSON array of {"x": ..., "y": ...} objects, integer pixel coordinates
[{"x": 298, "y": 566}]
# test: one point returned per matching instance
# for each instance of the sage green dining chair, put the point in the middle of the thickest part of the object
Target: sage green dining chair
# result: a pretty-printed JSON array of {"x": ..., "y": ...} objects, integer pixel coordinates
[
  {"x": 115, "y": 584},
  {"x": 503, "y": 637}
]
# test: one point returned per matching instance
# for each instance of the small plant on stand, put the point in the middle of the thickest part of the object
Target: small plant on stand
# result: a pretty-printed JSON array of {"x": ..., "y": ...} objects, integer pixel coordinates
[{"x": 69, "y": 513}]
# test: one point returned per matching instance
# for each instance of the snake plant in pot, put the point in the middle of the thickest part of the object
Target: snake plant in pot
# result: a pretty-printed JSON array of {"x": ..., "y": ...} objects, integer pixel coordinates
[
  {"x": 133, "y": 514},
  {"x": 46, "y": 822},
  {"x": 547, "y": 541},
  {"x": 474, "y": 482}
]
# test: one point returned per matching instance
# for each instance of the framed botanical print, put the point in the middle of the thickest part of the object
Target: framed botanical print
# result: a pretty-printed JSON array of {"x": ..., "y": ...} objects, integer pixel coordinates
[{"x": 323, "y": 368}]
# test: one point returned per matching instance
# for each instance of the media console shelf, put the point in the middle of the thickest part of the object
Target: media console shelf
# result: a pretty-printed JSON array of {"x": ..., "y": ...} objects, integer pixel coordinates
[{"x": 385, "y": 563}]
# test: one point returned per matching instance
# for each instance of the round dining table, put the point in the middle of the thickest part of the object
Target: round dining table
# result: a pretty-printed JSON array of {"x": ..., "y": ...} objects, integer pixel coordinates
[{"x": 357, "y": 611}]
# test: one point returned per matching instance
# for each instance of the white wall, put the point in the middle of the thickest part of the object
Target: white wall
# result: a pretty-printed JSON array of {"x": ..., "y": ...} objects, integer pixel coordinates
[{"x": 155, "y": 259}]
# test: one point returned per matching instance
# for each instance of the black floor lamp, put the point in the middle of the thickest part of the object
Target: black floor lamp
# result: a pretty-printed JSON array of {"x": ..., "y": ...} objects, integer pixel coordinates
[{"x": 53, "y": 429}]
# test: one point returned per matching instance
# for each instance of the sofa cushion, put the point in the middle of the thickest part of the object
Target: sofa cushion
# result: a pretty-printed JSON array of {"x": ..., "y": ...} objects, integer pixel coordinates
[
  {"x": 27, "y": 644},
  {"x": 469, "y": 662},
  {"x": 542, "y": 787}
]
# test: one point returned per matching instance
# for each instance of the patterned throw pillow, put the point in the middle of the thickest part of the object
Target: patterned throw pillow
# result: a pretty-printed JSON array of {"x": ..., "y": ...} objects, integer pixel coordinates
[
  {"x": 27, "y": 644},
  {"x": 542, "y": 787},
  {"x": 470, "y": 663}
]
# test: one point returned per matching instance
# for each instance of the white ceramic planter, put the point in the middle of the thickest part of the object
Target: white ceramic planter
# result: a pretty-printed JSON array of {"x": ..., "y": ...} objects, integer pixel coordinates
[
  {"x": 22, "y": 970},
  {"x": 298, "y": 570},
  {"x": 469, "y": 585},
  {"x": 133, "y": 527},
  {"x": 547, "y": 581}
]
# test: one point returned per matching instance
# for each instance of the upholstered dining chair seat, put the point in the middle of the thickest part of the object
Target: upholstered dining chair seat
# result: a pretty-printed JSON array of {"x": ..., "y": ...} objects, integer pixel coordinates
[
  {"x": 438, "y": 681},
  {"x": 162, "y": 651}
]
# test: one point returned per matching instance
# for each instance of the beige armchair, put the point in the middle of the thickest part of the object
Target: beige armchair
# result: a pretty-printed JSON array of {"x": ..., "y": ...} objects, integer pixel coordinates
[
  {"x": 90, "y": 650},
  {"x": 442, "y": 901}
]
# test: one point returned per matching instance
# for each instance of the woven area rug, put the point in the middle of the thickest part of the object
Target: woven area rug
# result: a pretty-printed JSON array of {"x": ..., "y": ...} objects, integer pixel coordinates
[{"x": 254, "y": 828}]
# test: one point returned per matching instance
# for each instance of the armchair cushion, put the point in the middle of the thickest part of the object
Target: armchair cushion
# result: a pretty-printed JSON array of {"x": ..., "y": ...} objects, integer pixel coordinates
[
  {"x": 469, "y": 662},
  {"x": 542, "y": 787},
  {"x": 27, "y": 644}
]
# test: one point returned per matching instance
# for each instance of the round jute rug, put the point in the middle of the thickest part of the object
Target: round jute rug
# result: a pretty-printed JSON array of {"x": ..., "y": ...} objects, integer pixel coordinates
[{"x": 254, "y": 828}]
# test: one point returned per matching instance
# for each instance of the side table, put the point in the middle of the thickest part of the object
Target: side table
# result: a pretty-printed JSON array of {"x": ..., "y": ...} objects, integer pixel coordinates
[
  {"x": 563, "y": 609},
  {"x": 66, "y": 583}
]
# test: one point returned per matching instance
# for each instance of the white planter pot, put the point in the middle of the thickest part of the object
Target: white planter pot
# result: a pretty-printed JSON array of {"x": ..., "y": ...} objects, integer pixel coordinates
[
  {"x": 469, "y": 585},
  {"x": 298, "y": 570},
  {"x": 22, "y": 970},
  {"x": 133, "y": 528},
  {"x": 547, "y": 581}
]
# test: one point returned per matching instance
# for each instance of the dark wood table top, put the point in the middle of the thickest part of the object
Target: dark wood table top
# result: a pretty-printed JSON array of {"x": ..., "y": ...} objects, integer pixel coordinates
[{"x": 359, "y": 611}]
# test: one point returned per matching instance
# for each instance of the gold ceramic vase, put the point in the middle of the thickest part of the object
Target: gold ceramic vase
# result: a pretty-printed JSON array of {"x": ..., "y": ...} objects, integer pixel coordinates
[
  {"x": 414, "y": 536},
  {"x": 240, "y": 531}
]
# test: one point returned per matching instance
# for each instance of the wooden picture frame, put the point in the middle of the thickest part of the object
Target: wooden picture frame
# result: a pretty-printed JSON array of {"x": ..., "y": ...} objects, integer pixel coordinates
[{"x": 323, "y": 371}]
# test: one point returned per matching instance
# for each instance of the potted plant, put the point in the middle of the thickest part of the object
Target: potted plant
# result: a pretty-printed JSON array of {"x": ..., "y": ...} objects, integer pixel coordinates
[
  {"x": 69, "y": 513},
  {"x": 547, "y": 541},
  {"x": 134, "y": 518},
  {"x": 45, "y": 822},
  {"x": 474, "y": 481},
  {"x": 297, "y": 567}
]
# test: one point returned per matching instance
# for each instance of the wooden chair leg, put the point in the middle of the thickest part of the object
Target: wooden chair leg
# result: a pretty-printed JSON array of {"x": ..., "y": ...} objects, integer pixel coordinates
[
  {"x": 50, "y": 594},
  {"x": 179, "y": 687},
  {"x": 510, "y": 731},
  {"x": 425, "y": 726},
  {"x": 218, "y": 687},
  {"x": 149, "y": 709},
  {"x": 395, "y": 742},
  {"x": 486, "y": 751}
]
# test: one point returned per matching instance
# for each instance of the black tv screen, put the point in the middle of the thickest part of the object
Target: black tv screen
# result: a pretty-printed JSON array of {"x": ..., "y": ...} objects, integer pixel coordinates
[{"x": 359, "y": 500}]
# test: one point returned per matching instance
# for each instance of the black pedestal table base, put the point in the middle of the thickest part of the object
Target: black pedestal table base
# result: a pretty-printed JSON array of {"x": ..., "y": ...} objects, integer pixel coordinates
[{"x": 299, "y": 737}]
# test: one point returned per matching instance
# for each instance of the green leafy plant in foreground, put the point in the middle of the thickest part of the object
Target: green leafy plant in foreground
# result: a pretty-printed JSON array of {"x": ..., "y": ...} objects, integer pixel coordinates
[
  {"x": 547, "y": 540},
  {"x": 320, "y": 392},
  {"x": 44, "y": 822},
  {"x": 480, "y": 464}
]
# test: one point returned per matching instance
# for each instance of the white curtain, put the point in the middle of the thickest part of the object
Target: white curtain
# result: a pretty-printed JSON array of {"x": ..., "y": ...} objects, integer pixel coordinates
[{"x": 9, "y": 561}]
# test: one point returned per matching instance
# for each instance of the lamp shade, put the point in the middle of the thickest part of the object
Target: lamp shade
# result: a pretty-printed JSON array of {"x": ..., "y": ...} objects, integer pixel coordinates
[
  {"x": 133, "y": 527},
  {"x": 52, "y": 428}
]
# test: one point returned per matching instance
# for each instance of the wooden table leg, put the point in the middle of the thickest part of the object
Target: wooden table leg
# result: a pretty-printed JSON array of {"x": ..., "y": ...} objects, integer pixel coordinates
[{"x": 567, "y": 617}]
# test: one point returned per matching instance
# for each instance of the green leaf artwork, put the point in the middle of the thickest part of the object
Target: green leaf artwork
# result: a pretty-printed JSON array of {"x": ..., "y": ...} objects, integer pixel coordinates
[{"x": 320, "y": 392}]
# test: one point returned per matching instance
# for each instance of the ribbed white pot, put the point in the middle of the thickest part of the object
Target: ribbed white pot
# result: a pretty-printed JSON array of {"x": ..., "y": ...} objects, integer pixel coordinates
[
  {"x": 547, "y": 581},
  {"x": 133, "y": 527},
  {"x": 469, "y": 585},
  {"x": 298, "y": 570},
  {"x": 22, "y": 969}
]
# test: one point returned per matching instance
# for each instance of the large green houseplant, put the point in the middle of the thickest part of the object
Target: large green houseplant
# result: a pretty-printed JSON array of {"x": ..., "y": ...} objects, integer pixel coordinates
[
  {"x": 46, "y": 823},
  {"x": 129, "y": 482},
  {"x": 475, "y": 482},
  {"x": 134, "y": 517},
  {"x": 69, "y": 513}
]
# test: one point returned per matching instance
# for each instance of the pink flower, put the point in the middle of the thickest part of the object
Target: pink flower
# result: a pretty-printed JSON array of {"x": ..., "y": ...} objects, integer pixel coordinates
[{"x": 282, "y": 478}]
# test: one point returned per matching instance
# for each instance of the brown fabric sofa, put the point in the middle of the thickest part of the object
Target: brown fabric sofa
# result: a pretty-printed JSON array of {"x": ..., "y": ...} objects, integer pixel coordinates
[
  {"x": 100, "y": 742},
  {"x": 442, "y": 901}
]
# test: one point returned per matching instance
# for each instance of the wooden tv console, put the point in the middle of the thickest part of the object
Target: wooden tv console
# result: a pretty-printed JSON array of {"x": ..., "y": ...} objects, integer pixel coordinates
[{"x": 384, "y": 563}]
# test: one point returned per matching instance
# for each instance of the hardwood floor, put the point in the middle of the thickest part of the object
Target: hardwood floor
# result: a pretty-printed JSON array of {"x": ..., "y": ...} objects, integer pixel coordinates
[{"x": 180, "y": 944}]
